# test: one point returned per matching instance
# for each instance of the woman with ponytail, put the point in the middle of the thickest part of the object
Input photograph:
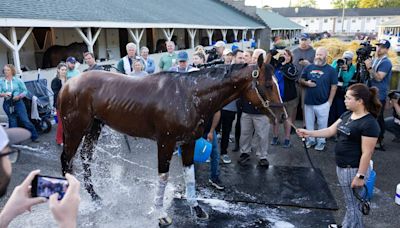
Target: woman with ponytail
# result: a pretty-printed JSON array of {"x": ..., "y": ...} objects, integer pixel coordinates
[
  {"x": 357, "y": 132},
  {"x": 56, "y": 85}
]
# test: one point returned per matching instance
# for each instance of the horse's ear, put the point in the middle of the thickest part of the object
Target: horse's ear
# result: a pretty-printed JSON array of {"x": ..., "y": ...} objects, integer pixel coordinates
[{"x": 260, "y": 60}]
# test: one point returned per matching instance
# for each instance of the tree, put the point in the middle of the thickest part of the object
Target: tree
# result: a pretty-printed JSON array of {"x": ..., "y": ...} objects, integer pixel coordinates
[
  {"x": 369, "y": 3},
  {"x": 306, "y": 3},
  {"x": 379, "y": 3},
  {"x": 338, "y": 4}
]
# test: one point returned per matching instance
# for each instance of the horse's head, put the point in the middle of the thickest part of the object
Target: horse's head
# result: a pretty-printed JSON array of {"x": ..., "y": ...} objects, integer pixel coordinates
[{"x": 264, "y": 91}]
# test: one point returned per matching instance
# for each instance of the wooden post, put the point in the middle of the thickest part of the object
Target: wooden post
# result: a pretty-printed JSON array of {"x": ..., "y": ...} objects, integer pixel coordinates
[
  {"x": 210, "y": 33},
  {"x": 192, "y": 34},
  {"x": 89, "y": 39},
  {"x": 168, "y": 33},
  {"x": 136, "y": 37}
]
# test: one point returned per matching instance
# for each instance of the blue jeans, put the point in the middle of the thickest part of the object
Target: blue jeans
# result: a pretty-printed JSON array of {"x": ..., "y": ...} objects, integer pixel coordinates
[
  {"x": 21, "y": 114},
  {"x": 214, "y": 157}
]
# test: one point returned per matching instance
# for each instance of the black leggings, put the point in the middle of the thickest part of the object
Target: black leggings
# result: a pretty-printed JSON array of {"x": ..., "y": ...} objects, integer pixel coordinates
[{"x": 227, "y": 118}]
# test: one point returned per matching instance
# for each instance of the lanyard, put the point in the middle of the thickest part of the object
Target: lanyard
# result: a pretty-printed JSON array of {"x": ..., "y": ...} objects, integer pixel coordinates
[
  {"x": 186, "y": 69},
  {"x": 11, "y": 85},
  {"x": 377, "y": 62}
]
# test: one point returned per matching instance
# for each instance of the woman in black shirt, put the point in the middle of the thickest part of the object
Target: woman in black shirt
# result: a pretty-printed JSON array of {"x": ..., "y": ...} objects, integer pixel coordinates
[{"x": 357, "y": 131}]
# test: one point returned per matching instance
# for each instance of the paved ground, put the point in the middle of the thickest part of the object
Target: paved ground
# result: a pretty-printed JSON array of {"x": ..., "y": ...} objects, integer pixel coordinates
[{"x": 127, "y": 182}]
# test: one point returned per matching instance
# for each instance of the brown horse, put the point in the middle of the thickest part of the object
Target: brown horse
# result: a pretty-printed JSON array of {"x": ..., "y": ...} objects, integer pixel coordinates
[
  {"x": 167, "y": 107},
  {"x": 57, "y": 53}
]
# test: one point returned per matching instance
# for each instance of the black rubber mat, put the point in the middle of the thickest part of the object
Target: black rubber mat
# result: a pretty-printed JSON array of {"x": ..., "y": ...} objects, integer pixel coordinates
[
  {"x": 225, "y": 214},
  {"x": 275, "y": 186}
]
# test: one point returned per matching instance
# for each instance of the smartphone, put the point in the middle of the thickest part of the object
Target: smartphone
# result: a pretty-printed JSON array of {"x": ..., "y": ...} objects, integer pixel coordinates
[
  {"x": 45, "y": 186},
  {"x": 301, "y": 59}
]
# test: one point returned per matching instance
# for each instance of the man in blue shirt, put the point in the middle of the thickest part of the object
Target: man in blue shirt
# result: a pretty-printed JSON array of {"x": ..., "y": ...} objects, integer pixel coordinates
[
  {"x": 71, "y": 71},
  {"x": 380, "y": 71},
  {"x": 320, "y": 83}
]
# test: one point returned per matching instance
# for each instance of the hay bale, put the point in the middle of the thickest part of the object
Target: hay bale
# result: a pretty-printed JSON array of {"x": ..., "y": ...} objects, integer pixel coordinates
[{"x": 336, "y": 48}]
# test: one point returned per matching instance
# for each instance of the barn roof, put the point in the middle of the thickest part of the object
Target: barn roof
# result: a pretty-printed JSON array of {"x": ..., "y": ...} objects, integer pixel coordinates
[
  {"x": 200, "y": 14},
  {"x": 312, "y": 12}
]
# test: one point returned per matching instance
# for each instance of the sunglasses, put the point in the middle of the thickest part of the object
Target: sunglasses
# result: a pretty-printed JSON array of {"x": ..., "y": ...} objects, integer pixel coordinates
[{"x": 12, "y": 153}]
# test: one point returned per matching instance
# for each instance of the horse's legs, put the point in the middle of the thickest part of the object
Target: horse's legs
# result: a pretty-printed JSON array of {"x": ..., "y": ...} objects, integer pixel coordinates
[
  {"x": 189, "y": 175},
  {"x": 165, "y": 150},
  {"x": 72, "y": 138},
  {"x": 87, "y": 153}
]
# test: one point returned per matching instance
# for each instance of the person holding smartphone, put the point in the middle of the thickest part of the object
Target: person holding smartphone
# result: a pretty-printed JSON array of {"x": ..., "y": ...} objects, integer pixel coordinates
[
  {"x": 65, "y": 211},
  {"x": 357, "y": 131}
]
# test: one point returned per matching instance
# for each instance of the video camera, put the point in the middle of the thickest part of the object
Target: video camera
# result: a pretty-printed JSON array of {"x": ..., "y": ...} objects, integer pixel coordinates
[
  {"x": 394, "y": 94},
  {"x": 209, "y": 64},
  {"x": 212, "y": 54},
  {"x": 364, "y": 52}
]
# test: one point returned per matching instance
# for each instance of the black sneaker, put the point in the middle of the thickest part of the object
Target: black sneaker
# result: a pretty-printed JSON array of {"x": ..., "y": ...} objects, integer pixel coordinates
[
  {"x": 200, "y": 213},
  {"x": 216, "y": 183},
  {"x": 263, "y": 162},
  {"x": 244, "y": 157}
]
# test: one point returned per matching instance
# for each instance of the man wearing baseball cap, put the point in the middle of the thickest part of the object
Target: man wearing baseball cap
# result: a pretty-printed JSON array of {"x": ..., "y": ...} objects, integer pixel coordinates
[
  {"x": 380, "y": 71},
  {"x": 219, "y": 47},
  {"x": 71, "y": 71},
  {"x": 183, "y": 65},
  {"x": 64, "y": 211}
]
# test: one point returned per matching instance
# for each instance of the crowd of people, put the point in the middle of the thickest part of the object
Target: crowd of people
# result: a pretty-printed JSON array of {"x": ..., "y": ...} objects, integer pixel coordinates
[{"x": 349, "y": 111}]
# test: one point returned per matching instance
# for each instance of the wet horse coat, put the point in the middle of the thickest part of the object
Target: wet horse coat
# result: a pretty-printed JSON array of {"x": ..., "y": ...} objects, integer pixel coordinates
[{"x": 168, "y": 107}]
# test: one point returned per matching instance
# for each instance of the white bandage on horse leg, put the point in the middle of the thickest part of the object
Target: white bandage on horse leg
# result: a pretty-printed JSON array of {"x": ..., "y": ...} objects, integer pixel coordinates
[
  {"x": 162, "y": 184},
  {"x": 190, "y": 185}
]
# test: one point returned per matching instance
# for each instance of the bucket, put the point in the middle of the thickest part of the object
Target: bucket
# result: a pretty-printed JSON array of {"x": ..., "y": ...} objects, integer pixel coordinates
[
  {"x": 56, "y": 119},
  {"x": 370, "y": 184},
  {"x": 202, "y": 150}
]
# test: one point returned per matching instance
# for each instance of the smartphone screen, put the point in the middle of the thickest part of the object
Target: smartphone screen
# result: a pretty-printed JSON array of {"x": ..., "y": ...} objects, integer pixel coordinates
[{"x": 45, "y": 186}]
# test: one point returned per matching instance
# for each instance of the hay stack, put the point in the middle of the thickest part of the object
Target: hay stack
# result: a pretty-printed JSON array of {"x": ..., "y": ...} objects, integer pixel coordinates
[{"x": 336, "y": 48}]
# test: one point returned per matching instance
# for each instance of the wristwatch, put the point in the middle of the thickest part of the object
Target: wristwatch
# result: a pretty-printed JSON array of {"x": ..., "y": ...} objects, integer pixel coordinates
[{"x": 360, "y": 176}]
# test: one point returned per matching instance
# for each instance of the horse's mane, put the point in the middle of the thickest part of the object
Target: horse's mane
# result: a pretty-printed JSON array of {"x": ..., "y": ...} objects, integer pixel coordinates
[{"x": 218, "y": 71}]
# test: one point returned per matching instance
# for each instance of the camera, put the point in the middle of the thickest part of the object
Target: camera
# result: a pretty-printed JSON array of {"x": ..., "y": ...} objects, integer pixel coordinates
[
  {"x": 394, "y": 94},
  {"x": 364, "y": 52},
  {"x": 45, "y": 186},
  {"x": 340, "y": 62},
  {"x": 212, "y": 54},
  {"x": 301, "y": 59}
]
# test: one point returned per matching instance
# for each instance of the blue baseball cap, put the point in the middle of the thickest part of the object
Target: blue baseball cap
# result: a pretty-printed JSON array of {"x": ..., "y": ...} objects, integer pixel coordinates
[
  {"x": 71, "y": 59},
  {"x": 384, "y": 43},
  {"x": 182, "y": 56},
  {"x": 304, "y": 36}
]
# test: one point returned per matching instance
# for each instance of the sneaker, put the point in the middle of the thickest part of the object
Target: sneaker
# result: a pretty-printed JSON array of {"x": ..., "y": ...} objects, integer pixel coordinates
[
  {"x": 199, "y": 213},
  {"x": 287, "y": 144},
  {"x": 164, "y": 222},
  {"x": 263, "y": 162},
  {"x": 275, "y": 141},
  {"x": 244, "y": 157},
  {"x": 310, "y": 144},
  {"x": 320, "y": 146},
  {"x": 226, "y": 159},
  {"x": 334, "y": 226},
  {"x": 216, "y": 183}
]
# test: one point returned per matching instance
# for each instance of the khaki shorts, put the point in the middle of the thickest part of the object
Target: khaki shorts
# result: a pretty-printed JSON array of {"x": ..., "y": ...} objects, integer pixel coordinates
[{"x": 291, "y": 106}]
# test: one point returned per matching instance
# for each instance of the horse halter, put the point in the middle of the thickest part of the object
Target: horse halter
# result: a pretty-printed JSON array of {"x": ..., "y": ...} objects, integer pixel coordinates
[{"x": 261, "y": 96}]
